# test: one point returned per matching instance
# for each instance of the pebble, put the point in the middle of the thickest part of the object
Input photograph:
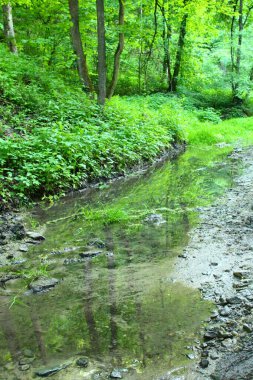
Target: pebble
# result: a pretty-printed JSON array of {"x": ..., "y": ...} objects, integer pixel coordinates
[
  {"x": 35, "y": 236},
  {"x": 247, "y": 328},
  {"x": 24, "y": 367},
  {"x": 225, "y": 312},
  {"x": 204, "y": 363},
  {"x": 116, "y": 374},
  {"x": 82, "y": 362},
  {"x": 23, "y": 248},
  {"x": 191, "y": 356}
]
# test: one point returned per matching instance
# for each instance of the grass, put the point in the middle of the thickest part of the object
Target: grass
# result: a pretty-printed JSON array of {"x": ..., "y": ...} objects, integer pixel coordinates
[{"x": 231, "y": 131}]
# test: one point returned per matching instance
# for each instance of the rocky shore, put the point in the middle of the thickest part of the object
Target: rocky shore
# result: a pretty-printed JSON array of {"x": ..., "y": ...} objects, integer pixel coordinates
[{"x": 218, "y": 261}]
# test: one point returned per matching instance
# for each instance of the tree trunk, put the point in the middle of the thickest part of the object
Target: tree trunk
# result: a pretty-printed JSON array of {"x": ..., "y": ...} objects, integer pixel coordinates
[
  {"x": 166, "y": 35},
  {"x": 118, "y": 52},
  {"x": 9, "y": 28},
  {"x": 232, "y": 50},
  {"x": 236, "y": 97},
  {"x": 78, "y": 46},
  {"x": 180, "y": 47},
  {"x": 101, "y": 52}
]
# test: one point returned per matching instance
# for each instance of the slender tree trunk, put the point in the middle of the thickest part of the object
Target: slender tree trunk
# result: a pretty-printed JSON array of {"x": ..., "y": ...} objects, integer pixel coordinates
[
  {"x": 152, "y": 42},
  {"x": 78, "y": 46},
  {"x": 236, "y": 98},
  {"x": 166, "y": 35},
  {"x": 118, "y": 52},
  {"x": 232, "y": 50},
  {"x": 180, "y": 48},
  {"x": 9, "y": 28},
  {"x": 101, "y": 52},
  {"x": 140, "y": 51}
]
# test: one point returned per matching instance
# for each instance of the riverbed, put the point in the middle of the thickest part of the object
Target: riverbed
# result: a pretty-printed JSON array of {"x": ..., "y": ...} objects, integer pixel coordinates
[{"x": 110, "y": 253}]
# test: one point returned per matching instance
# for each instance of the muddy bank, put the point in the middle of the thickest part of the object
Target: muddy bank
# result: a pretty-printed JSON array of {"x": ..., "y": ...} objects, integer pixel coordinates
[{"x": 218, "y": 261}]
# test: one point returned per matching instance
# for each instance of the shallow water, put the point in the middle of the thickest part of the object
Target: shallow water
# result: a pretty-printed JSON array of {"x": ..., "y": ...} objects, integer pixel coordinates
[{"x": 119, "y": 307}]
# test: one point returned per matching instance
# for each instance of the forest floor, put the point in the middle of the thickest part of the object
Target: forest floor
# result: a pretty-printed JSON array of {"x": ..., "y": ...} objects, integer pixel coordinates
[{"x": 218, "y": 261}]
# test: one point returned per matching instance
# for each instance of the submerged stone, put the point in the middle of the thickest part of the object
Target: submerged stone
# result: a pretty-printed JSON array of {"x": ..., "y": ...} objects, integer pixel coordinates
[
  {"x": 116, "y": 374},
  {"x": 43, "y": 284},
  {"x": 156, "y": 219},
  {"x": 35, "y": 236},
  {"x": 96, "y": 243},
  {"x": 24, "y": 367},
  {"x": 82, "y": 362},
  {"x": 45, "y": 372},
  {"x": 89, "y": 254}
]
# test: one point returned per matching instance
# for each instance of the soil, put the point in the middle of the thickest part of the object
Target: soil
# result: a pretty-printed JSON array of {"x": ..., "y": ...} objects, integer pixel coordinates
[{"x": 218, "y": 261}]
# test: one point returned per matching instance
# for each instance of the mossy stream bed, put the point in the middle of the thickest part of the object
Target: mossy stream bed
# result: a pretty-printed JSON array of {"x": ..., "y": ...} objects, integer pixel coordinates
[{"x": 113, "y": 248}]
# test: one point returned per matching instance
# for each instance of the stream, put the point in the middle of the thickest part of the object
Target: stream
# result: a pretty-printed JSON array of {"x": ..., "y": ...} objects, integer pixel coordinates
[{"x": 113, "y": 248}]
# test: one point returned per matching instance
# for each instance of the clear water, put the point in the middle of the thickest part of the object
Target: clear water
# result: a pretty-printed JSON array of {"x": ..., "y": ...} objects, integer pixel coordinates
[{"x": 119, "y": 308}]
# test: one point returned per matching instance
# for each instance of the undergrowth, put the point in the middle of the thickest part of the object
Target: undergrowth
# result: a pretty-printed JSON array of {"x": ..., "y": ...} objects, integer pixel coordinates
[{"x": 53, "y": 137}]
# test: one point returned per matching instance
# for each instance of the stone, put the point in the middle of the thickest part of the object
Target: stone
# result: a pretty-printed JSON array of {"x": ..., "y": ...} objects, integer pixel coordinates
[
  {"x": 116, "y": 374},
  {"x": 156, "y": 219},
  {"x": 24, "y": 367},
  {"x": 18, "y": 231},
  {"x": 82, "y": 362},
  {"x": 45, "y": 372},
  {"x": 23, "y": 248},
  {"x": 204, "y": 363},
  {"x": 24, "y": 361},
  {"x": 183, "y": 256},
  {"x": 227, "y": 343},
  {"x": 234, "y": 300},
  {"x": 90, "y": 254},
  {"x": 225, "y": 311},
  {"x": 211, "y": 334},
  {"x": 247, "y": 328},
  {"x": 191, "y": 356},
  {"x": 43, "y": 284},
  {"x": 214, "y": 356},
  {"x": 28, "y": 353},
  {"x": 240, "y": 274},
  {"x": 35, "y": 236},
  {"x": 96, "y": 243}
]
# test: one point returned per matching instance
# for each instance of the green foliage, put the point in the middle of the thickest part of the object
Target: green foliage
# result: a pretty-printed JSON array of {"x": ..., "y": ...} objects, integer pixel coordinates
[{"x": 53, "y": 137}]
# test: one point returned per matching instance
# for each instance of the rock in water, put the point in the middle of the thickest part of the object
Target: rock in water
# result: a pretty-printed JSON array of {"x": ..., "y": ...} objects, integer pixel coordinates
[
  {"x": 35, "y": 236},
  {"x": 96, "y": 243},
  {"x": 82, "y": 362},
  {"x": 116, "y": 374},
  {"x": 45, "y": 372},
  {"x": 155, "y": 219},
  {"x": 43, "y": 284}
]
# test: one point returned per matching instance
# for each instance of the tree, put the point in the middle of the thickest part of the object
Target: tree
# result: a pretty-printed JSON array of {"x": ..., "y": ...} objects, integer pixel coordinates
[
  {"x": 101, "y": 52},
  {"x": 9, "y": 28},
  {"x": 78, "y": 46},
  {"x": 241, "y": 10},
  {"x": 119, "y": 50},
  {"x": 173, "y": 71}
]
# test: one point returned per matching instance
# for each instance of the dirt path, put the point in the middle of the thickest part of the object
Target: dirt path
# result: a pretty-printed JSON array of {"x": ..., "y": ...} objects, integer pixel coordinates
[{"x": 219, "y": 261}]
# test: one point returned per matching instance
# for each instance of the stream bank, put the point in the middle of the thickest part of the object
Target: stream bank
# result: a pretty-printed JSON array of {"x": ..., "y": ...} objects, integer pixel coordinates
[{"x": 218, "y": 261}]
